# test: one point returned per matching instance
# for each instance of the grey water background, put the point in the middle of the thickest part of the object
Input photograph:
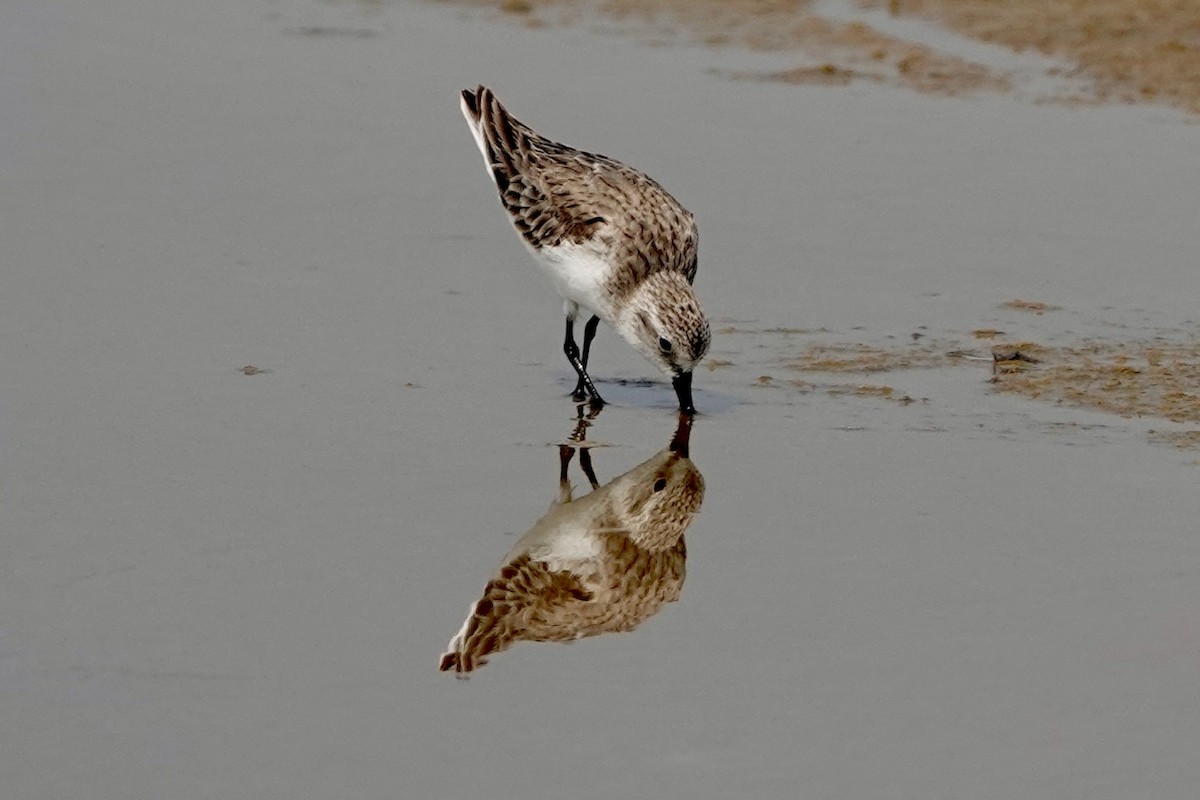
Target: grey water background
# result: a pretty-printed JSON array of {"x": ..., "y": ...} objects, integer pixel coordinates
[{"x": 221, "y": 585}]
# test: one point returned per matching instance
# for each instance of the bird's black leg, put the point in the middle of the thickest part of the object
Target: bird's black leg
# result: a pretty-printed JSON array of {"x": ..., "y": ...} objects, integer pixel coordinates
[
  {"x": 572, "y": 351},
  {"x": 589, "y": 332}
]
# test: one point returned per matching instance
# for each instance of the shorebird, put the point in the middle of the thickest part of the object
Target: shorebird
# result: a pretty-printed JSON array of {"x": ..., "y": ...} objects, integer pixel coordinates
[
  {"x": 602, "y": 563},
  {"x": 608, "y": 236}
]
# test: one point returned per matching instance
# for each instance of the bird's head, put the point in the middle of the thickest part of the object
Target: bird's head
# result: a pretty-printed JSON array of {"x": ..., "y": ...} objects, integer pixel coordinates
[{"x": 664, "y": 321}]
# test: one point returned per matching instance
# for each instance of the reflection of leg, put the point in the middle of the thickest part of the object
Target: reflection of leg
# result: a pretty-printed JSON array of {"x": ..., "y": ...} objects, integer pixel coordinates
[
  {"x": 564, "y": 484},
  {"x": 589, "y": 333},
  {"x": 578, "y": 438},
  {"x": 582, "y": 422},
  {"x": 581, "y": 426},
  {"x": 585, "y": 461}
]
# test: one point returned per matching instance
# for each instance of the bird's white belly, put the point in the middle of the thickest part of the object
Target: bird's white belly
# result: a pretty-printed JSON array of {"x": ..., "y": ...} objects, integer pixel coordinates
[
  {"x": 580, "y": 274},
  {"x": 566, "y": 547}
]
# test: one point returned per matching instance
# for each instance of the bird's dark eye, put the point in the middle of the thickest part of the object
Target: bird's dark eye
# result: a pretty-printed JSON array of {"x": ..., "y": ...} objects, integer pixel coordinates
[
  {"x": 660, "y": 484},
  {"x": 664, "y": 345}
]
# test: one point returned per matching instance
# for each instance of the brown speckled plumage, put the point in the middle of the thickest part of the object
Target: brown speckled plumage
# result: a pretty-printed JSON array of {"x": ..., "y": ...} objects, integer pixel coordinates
[
  {"x": 611, "y": 239},
  {"x": 553, "y": 193}
]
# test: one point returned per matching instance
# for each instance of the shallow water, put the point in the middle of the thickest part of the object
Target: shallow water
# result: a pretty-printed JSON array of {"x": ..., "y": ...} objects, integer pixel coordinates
[{"x": 228, "y": 585}]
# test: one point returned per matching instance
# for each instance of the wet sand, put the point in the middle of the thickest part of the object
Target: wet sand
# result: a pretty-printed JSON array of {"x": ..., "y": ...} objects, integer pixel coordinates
[
  {"x": 1126, "y": 51},
  {"x": 904, "y": 580},
  {"x": 1137, "y": 52}
]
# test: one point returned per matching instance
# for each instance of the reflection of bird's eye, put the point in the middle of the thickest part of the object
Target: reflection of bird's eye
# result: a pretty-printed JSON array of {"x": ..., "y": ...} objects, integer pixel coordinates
[
  {"x": 660, "y": 484},
  {"x": 664, "y": 345}
]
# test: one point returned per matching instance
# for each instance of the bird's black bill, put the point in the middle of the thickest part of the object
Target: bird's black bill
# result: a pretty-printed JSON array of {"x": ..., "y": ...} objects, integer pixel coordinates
[{"x": 683, "y": 390}]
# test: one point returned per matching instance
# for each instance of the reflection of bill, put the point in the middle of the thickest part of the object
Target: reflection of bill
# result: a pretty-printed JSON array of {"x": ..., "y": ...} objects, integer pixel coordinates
[{"x": 597, "y": 564}]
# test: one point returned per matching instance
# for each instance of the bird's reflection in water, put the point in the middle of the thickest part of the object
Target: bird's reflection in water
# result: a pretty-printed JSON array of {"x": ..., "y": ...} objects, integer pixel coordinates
[{"x": 595, "y": 564}]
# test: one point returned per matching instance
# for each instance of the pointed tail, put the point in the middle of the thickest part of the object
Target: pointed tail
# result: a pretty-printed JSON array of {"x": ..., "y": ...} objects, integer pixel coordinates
[{"x": 500, "y": 137}]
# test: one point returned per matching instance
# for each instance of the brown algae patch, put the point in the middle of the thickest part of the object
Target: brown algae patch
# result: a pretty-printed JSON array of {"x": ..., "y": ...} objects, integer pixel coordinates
[
  {"x": 823, "y": 75},
  {"x": 1157, "y": 378},
  {"x": 867, "y": 358},
  {"x": 1031, "y": 306},
  {"x": 926, "y": 70},
  {"x": 855, "y": 51},
  {"x": 869, "y": 390},
  {"x": 1184, "y": 440},
  {"x": 1136, "y": 51},
  {"x": 1130, "y": 379},
  {"x": 1016, "y": 357}
]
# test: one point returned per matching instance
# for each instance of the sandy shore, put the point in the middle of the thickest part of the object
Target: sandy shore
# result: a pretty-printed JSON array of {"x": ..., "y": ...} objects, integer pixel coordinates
[
  {"x": 1135, "y": 51},
  {"x": 1124, "y": 51}
]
